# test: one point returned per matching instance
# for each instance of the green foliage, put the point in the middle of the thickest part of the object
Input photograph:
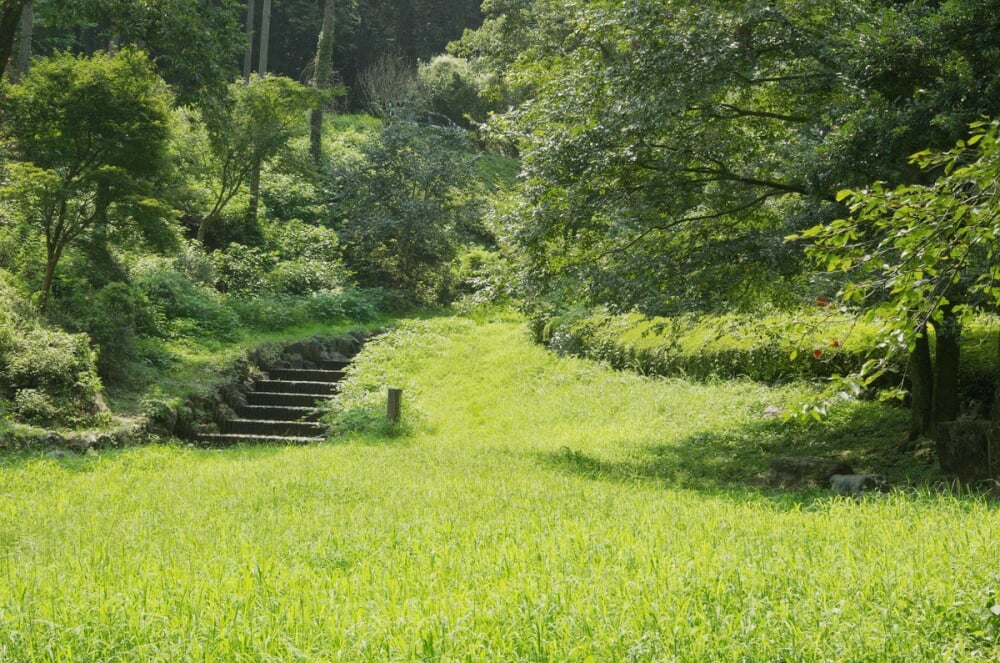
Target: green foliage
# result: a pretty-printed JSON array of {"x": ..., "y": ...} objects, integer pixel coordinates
[
  {"x": 89, "y": 135},
  {"x": 290, "y": 194},
  {"x": 186, "y": 308},
  {"x": 115, "y": 318},
  {"x": 193, "y": 43},
  {"x": 770, "y": 349},
  {"x": 409, "y": 207},
  {"x": 309, "y": 258},
  {"x": 669, "y": 149},
  {"x": 243, "y": 269},
  {"x": 48, "y": 376},
  {"x": 243, "y": 131},
  {"x": 909, "y": 252},
  {"x": 453, "y": 88}
]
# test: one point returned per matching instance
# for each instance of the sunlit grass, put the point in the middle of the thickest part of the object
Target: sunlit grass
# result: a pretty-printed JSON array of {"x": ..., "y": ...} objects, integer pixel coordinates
[{"x": 538, "y": 509}]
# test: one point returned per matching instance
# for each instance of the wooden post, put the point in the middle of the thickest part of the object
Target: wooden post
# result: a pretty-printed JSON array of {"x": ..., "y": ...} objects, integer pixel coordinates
[{"x": 394, "y": 408}]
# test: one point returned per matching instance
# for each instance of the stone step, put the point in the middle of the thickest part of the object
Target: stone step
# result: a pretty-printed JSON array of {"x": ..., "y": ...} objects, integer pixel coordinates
[
  {"x": 230, "y": 439},
  {"x": 280, "y": 412},
  {"x": 270, "y": 427},
  {"x": 305, "y": 375},
  {"x": 334, "y": 365},
  {"x": 296, "y": 387},
  {"x": 276, "y": 399}
]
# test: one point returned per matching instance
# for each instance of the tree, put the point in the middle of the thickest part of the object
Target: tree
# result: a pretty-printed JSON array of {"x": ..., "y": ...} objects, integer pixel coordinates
[
  {"x": 265, "y": 38},
  {"x": 922, "y": 257},
  {"x": 245, "y": 130},
  {"x": 89, "y": 134},
  {"x": 248, "y": 52},
  {"x": 322, "y": 71},
  {"x": 10, "y": 21},
  {"x": 668, "y": 148},
  {"x": 386, "y": 84},
  {"x": 195, "y": 45},
  {"x": 409, "y": 208}
]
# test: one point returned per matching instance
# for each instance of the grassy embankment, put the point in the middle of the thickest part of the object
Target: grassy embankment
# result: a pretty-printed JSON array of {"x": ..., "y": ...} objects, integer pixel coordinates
[{"x": 536, "y": 509}]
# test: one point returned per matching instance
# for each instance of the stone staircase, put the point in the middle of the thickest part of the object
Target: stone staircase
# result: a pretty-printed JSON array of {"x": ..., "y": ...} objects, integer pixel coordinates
[{"x": 281, "y": 408}]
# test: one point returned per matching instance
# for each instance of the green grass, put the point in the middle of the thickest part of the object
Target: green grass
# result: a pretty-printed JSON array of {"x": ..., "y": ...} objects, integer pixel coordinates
[
  {"x": 191, "y": 363},
  {"x": 535, "y": 509}
]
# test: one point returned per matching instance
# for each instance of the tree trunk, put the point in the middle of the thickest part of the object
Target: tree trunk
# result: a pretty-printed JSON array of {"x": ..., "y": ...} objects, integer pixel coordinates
[
  {"x": 24, "y": 48},
  {"x": 265, "y": 37},
  {"x": 248, "y": 55},
  {"x": 321, "y": 79},
  {"x": 10, "y": 22},
  {"x": 995, "y": 411},
  {"x": 254, "y": 206},
  {"x": 948, "y": 332},
  {"x": 921, "y": 387},
  {"x": 53, "y": 251}
]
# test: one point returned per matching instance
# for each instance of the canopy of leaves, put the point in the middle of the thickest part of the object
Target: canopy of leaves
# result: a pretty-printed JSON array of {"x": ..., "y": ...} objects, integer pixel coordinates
[
  {"x": 194, "y": 44},
  {"x": 670, "y": 146},
  {"x": 88, "y": 134},
  {"x": 912, "y": 253},
  {"x": 409, "y": 206}
]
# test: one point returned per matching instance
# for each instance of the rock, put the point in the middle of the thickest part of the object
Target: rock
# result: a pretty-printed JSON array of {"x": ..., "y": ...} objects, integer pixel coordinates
[
  {"x": 772, "y": 412},
  {"x": 50, "y": 438},
  {"x": 790, "y": 470},
  {"x": 856, "y": 485},
  {"x": 57, "y": 453}
]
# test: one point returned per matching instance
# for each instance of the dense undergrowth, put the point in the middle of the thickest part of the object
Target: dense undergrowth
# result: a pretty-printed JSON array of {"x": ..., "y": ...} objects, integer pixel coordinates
[
  {"x": 772, "y": 349},
  {"x": 532, "y": 508},
  {"x": 141, "y": 314}
]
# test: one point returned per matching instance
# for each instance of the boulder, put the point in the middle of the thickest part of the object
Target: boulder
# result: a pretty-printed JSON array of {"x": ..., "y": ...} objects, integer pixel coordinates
[
  {"x": 855, "y": 485},
  {"x": 791, "y": 470}
]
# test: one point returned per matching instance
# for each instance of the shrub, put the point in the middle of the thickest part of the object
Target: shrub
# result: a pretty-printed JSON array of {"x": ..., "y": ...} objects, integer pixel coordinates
[
  {"x": 771, "y": 349},
  {"x": 304, "y": 276},
  {"x": 452, "y": 87},
  {"x": 351, "y": 304},
  {"x": 268, "y": 311},
  {"x": 479, "y": 276},
  {"x": 243, "y": 269},
  {"x": 114, "y": 317},
  {"x": 410, "y": 210},
  {"x": 35, "y": 406},
  {"x": 49, "y": 376},
  {"x": 187, "y": 309},
  {"x": 292, "y": 196}
]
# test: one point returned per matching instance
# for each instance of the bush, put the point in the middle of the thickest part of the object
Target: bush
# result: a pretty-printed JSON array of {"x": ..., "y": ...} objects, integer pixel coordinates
[
  {"x": 351, "y": 304},
  {"x": 243, "y": 269},
  {"x": 768, "y": 349},
  {"x": 114, "y": 317},
  {"x": 452, "y": 87},
  {"x": 771, "y": 349},
  {"x": 479, "y": 276},
  {"x": 292, "y": 196},
  {"x": 268, "y": 311},
  {"x": 410, "y": 210},
  {"x": 186, "y": 309},
  {"x": 304, "y": 276},
  {"x": 49, "y": 376}
]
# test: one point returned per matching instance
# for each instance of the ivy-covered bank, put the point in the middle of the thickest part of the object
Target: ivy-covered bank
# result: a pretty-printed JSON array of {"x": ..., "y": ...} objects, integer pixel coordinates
[{"x": 771, "y": 349}]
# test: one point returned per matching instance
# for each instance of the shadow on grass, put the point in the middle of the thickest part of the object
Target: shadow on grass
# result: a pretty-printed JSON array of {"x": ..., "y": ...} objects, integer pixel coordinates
[{"x": 868, "y": 438}]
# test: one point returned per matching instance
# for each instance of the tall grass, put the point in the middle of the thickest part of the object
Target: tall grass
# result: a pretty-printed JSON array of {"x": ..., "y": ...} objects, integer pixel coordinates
[{"x": 537, "y": 509}]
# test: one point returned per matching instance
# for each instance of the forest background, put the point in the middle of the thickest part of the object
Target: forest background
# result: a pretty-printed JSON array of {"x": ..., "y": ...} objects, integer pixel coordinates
[{"x": 748, "y": 171}]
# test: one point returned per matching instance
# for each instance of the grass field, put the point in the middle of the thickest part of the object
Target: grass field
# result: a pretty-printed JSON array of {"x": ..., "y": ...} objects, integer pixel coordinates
[{"x": 532, "y": 509}]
